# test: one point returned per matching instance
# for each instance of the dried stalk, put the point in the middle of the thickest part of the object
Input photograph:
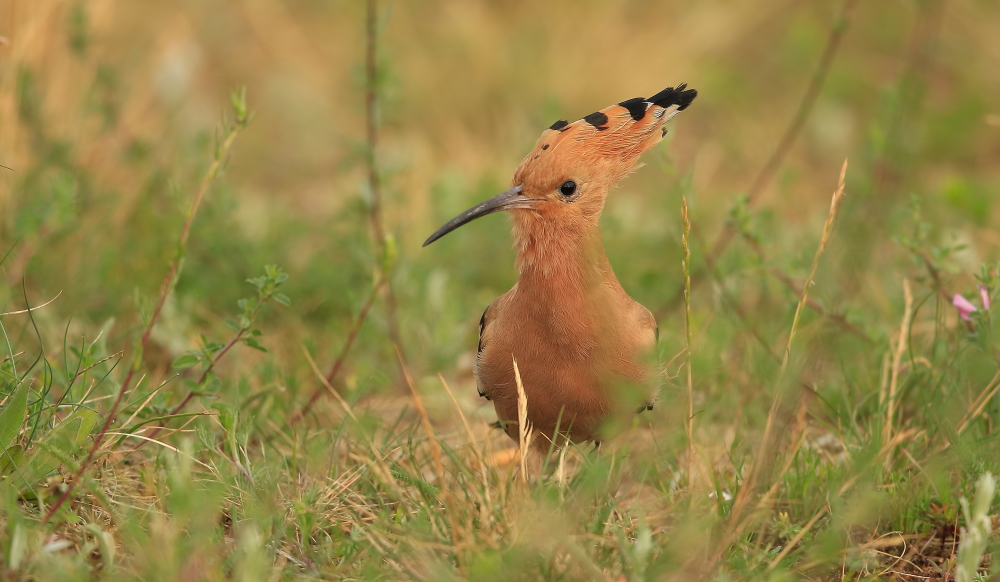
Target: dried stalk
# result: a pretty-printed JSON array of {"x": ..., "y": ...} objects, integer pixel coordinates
[
  {"x": 523, "y": 426},
  {"x": 686, "y": 266},
  {"x": 897, "y": 360}
]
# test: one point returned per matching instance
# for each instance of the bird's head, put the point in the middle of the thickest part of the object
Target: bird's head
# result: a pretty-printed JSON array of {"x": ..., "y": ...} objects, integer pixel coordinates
[{"x": 566, "y": 177}]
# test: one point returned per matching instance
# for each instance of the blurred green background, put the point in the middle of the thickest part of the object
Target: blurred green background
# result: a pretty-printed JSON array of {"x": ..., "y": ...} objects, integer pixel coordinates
[{"x": 110, "y": 112}]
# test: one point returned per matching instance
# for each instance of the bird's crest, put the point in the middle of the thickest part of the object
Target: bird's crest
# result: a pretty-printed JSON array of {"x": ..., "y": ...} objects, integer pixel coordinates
[{"x": 613, "y": 137}]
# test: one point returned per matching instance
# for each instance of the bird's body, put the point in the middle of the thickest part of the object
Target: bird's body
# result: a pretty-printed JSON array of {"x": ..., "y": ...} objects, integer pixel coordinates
[
  {"x": 581, "y": 343},
  {"x": 584, "y": 348}
]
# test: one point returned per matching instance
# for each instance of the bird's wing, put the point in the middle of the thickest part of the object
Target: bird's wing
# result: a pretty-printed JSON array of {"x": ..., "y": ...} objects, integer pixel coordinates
[
  {"x": 651, "y": 337},
  {"x": 484, "y": 323}
]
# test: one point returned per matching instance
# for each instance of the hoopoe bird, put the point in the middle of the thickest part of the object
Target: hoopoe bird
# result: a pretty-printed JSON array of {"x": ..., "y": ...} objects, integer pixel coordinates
[{"x": 584, "y": 348}]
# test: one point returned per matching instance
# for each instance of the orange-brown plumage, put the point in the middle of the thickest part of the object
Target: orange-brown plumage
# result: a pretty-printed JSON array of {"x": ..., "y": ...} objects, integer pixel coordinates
[{"x": 583, "y": 346}]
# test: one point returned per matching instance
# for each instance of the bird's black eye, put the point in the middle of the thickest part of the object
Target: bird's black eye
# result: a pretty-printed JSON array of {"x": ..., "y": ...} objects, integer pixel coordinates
[{"x": 568, "y": 188}]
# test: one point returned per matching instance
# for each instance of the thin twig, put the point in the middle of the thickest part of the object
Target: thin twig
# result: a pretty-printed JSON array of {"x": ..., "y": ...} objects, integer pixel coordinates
[
  {"x": 375, "y": 215},
  {"x": 335, "y": 369},
  {"x": 766, "y": 173},
  {"x": 811, "y": 303}
]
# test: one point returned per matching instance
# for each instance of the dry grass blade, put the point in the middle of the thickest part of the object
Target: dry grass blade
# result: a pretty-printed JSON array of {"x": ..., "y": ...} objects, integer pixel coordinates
[
  {"x": 327, "y": 382},
  {"x": 798, "y": 538},
  {"x": 425, "y": 421},
  {"x": 162, "y": 444},
  {"x": 523, "y": 426},
  {"x": 435, "y": 447},
  {"x": 979, "y": 403},
  {"x": 897, "y": 359},
  {"x": 30, "y": 309},
  {"x": 477, "y": 450}
]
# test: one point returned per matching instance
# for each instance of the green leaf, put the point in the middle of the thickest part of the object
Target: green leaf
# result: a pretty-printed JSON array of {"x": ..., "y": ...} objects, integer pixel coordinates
[
  {"x": 389, "y": 253},
  {"x": 88, "y": 422},
  {"x": 9, "y": 459},
  {"x": 283, "y": 299},
  {"x": 231, "y": 324},
  {"x": 258, "y": 282},
  {"x": 18, "y": 546},
  {"x": 228, "y": 415},
  {"x": 248, "y": 305},
  {"x": 13, "y": 415},
  {"x": 212, "y": 384},
  {"x": 106, "y": 543},
  {"x": 250, "y": 342},
  {"x": 186, "y": 361}
]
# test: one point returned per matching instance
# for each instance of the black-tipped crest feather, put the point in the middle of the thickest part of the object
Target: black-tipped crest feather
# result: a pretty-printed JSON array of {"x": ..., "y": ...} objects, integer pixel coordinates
[{"x": 674, "y": 96}]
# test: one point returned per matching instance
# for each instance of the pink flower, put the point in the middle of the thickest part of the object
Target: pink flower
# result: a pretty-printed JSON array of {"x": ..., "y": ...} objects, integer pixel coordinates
[
  {"x": 963, "y": 305},
  {"x": 985, "y": 296}
]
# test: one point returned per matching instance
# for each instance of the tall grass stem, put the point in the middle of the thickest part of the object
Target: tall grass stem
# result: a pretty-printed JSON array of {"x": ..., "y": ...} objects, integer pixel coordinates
[
  {"x": 686, "y": 266},
  {"x": 375, "y": 215}
]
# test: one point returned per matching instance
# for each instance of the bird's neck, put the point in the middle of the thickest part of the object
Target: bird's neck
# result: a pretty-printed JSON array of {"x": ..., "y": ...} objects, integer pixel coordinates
[
  {"x": 552, "y": 257},
  {"x": 566, "y": 287}
]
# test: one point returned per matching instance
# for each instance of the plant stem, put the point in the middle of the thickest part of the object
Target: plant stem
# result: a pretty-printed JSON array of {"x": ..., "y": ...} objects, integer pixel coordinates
[
  {"x": 165, "y": 288},
  {"x": 686, "y": 265},
  {"x": 343, "y": 353},
  {"x": 375, "y": 215},
  {"x": 201, "y": 379}
]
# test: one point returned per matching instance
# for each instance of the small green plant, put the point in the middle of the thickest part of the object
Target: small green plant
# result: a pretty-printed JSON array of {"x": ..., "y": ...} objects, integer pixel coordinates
[
  {"x": 209, "y": 354},
  {"x": 976, "y": 533}
]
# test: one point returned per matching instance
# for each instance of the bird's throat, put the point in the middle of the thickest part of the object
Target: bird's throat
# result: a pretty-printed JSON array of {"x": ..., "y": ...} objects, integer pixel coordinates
[{"x": 558, "y": 259}]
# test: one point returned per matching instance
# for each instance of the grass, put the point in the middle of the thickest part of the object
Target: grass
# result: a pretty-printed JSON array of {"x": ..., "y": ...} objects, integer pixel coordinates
[{"x": 175, "y": 406}]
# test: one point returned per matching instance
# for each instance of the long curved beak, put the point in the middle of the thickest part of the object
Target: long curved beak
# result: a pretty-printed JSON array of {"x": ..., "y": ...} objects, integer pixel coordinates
[{"x": 504, "y": 201}]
